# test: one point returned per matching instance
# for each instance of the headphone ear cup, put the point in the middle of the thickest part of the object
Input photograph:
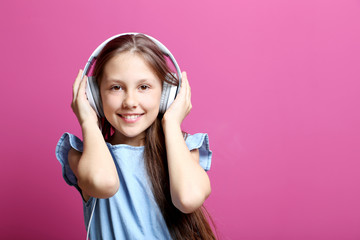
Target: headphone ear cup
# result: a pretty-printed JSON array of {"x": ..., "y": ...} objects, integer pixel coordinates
[
  {"x": 168, "y": 96},
  {"x": 164, "y": 97},
  {"x": 93, "y": 95},
  {"x": 172, "y": 95}
]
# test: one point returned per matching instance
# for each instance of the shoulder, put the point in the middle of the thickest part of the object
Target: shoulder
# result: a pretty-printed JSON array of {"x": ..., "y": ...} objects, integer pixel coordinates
[
  {"x": 65, "y": 144},
  {"x": 199, "y": 146},
  {"x": 74, "y": 158},
  {"x": 197, "y": 140},
  {"x": 69, "y": 151}
]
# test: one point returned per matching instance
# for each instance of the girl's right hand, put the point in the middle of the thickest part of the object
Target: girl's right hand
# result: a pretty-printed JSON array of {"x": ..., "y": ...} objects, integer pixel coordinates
[{"x": 80, "y": 104}]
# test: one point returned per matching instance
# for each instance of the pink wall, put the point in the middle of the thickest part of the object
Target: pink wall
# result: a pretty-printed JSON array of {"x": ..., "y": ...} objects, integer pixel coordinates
[{"x": 274, "y": 83}]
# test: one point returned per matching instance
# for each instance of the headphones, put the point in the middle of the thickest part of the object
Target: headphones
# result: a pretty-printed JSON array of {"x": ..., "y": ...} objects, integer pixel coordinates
[{"x": 169, "y": 91}]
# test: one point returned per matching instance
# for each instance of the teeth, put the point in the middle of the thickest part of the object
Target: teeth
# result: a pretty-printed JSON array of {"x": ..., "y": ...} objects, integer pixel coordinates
[{"x": 131, "y": 117}]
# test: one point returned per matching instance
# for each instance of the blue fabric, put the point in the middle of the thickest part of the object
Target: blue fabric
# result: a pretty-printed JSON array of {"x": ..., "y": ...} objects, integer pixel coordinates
[{"x": 132, "y": 213}]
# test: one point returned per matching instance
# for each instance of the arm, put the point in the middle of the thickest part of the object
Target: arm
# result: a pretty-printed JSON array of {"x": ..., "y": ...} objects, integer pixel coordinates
[
  {"x": 189, "y": 183},
  {"x": 94, "y": 168}
]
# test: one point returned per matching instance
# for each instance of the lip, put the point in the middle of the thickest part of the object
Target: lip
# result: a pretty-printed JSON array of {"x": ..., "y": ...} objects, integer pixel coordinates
[{"x": 131, "y": 117}]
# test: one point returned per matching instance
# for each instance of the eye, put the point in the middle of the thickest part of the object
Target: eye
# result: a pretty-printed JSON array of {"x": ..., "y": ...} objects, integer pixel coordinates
[
  {"x": 116, "y": 88},
  {"x": 144, "y": 87}
]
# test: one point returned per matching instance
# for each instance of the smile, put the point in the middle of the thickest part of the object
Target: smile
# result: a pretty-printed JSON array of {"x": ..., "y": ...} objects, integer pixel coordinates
[{"x": 130, "y": 118}]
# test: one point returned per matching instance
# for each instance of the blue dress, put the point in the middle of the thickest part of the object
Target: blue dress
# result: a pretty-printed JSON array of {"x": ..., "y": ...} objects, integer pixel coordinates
[{"x": 132, "y": 213}]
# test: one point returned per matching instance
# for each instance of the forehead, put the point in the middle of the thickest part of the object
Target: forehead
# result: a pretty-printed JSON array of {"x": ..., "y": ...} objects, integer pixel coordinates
[{"x": 128, "y": 67}]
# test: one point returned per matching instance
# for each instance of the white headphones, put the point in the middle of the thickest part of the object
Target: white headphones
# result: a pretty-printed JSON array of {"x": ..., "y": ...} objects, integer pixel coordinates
[{"x": 169, "y": 91}]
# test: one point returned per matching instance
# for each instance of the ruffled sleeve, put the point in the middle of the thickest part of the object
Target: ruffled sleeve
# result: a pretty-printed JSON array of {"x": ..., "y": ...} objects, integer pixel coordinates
[
  {"x": 200, "y": 141},
  {"x": 66, "y": 142}
]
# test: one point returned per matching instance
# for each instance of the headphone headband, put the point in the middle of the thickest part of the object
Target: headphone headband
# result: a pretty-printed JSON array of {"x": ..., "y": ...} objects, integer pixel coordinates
[{"x": 162, "y": 47}]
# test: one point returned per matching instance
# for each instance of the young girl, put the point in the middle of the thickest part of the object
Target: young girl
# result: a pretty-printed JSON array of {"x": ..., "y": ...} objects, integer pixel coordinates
[{"x": 139, "y": 175}]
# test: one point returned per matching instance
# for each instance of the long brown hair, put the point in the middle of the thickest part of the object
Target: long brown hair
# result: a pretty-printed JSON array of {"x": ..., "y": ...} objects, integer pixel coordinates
[{"x": 181, "y": 226}]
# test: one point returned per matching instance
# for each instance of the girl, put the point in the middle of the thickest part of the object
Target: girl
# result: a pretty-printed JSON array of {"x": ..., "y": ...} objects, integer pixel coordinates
[{"x": 139, "y": 176}]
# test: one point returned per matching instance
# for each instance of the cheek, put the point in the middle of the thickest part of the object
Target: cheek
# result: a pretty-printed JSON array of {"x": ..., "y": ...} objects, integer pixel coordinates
[
  {"x": 152, "y": 101},
  {"x": 109, "y": 103}
]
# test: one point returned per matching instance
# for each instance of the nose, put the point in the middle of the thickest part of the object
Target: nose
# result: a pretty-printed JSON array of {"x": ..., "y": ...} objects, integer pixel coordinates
[{"x": 130, "y": 100}]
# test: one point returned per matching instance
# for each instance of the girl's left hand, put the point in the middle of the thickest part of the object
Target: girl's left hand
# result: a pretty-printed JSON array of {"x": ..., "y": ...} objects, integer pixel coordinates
[{"x": 181, "y": 106}]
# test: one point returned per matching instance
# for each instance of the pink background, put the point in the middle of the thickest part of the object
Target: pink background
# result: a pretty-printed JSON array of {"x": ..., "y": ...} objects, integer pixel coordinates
[{"x": 274, "y": 83}]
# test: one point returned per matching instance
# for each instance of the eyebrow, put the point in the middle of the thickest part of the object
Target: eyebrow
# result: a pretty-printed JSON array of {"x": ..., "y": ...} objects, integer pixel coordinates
[{"x": 139, "y": 81}]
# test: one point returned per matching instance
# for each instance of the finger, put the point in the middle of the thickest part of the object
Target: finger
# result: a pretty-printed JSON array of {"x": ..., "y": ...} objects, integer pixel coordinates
[
  {"x": 183, "y": 77},
  {"x": 188, "y": 97},
  {"x": 183, "y": 88},
  {"x": 82, "y": 87},
  {"x": 187, "y": 88},
  {"x": 76, "y": 84}
]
